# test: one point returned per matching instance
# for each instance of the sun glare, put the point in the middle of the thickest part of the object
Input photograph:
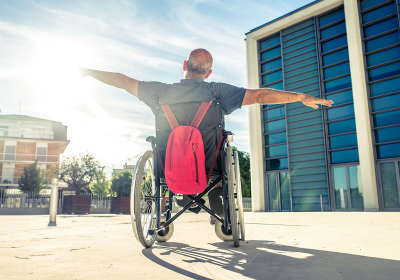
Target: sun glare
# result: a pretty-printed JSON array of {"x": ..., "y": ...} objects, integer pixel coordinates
[{"x": 55, "y": 70}]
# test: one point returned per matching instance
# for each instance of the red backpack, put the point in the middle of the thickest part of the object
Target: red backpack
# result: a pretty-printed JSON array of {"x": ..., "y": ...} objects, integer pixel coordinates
[{"x": 185, "y": 170}]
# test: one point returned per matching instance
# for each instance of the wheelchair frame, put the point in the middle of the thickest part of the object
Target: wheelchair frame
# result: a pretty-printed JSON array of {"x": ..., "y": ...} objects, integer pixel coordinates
[{"x": 225, "y": 221}]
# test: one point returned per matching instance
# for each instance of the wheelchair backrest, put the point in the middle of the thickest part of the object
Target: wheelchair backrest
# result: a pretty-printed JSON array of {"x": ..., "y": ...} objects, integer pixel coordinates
[{"x": 210, "y": 128}]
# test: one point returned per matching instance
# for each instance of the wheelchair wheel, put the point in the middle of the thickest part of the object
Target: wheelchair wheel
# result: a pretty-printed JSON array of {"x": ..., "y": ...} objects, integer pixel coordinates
[
  {"x": 239, "y": 197},
  {"x": 165, "y": 235},
  {"x": 143, "y": 207},
  {"x": 222, "y": 233},
  {"x": 232, "y": 196}
]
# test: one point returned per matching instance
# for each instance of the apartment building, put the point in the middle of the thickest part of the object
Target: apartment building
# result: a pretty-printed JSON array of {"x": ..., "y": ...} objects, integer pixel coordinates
[
  {"x": 24, "y": 139},
  {"x": 340, "y": 158}
]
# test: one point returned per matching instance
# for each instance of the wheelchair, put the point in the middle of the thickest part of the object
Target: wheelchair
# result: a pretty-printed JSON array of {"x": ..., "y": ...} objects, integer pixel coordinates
[{"x": 150, "y": 222}]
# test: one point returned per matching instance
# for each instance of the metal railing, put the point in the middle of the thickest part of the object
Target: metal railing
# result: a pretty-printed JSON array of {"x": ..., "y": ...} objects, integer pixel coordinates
[
  {"x": 4, "y": 180},
  {"x": 14, "y": 198},
  {"x": 29, "y": 157},
  {"x": 246, "y": 202},
  {"x": 25, "y": 133}
]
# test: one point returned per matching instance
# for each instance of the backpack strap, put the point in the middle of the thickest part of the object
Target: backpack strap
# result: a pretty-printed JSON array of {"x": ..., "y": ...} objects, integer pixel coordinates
[
  {"x": 198, "y": 117},
  {"x": 173, "y": 122}
]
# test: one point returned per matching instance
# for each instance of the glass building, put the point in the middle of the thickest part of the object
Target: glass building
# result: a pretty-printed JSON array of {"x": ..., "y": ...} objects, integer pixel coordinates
[{"x": 340, "y": 158}]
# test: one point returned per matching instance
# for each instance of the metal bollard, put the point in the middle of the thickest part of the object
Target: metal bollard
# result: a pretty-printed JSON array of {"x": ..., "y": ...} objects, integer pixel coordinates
[
  {"x": 53, "y": 203},
  {"x": 322, "y": 203}
]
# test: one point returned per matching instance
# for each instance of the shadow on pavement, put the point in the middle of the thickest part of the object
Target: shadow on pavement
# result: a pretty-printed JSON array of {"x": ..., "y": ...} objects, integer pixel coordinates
[{"x": 257, "y": 259}]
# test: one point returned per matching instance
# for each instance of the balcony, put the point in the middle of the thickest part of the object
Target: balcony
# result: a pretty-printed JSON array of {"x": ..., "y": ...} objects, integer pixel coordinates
[
  {"x": 11, "y": 157},
  {"x": 9, "y": 180},
  {"x": 26, "y": 133}
]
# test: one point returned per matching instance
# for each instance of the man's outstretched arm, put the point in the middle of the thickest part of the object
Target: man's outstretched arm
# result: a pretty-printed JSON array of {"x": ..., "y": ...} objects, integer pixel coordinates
[
  {"x": 113, "y": 79},
  {"x": 272, "y": 96}
]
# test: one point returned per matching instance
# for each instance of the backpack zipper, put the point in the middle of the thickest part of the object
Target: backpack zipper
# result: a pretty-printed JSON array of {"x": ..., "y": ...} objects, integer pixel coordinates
[{"x": 195, "y": 161}]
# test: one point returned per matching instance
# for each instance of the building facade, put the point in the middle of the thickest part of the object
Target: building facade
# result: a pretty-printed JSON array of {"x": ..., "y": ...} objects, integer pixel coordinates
[
  {"x": 23, "y": 140},
  {"x": 340, "y": 158}
]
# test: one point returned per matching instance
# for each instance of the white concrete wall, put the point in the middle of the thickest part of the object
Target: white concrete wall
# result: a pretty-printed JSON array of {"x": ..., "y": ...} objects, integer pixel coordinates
[{"x": 361, "y": 107}]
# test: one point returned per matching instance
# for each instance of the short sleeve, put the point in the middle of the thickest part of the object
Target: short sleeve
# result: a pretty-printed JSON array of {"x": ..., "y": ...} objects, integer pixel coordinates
[
  {"x": 149, "y": 92},
  {"x": 231, "y": 97}
]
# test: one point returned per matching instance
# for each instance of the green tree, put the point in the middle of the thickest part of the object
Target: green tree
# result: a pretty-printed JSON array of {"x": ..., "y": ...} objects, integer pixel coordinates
[
  {"x": 33, "y": 179},
  {"x": 121, "y": 184},
  {"x": 244, "y": 165},
  {"x": 100, "y": 184},
  {"x": 79, "y": 171},
  {"x": 52, "y": 172}
]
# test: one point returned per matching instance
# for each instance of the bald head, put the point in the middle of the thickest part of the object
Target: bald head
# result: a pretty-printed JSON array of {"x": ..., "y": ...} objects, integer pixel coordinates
[{"x": 199, "y": 63}]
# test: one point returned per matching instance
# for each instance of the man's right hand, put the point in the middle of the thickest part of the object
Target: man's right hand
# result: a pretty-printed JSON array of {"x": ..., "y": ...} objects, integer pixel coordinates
[{"x": 83, "y": 72}]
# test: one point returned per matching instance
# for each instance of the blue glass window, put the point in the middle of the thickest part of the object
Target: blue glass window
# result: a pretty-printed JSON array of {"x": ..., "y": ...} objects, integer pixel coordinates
[
  {"x": 334, "y": 44},
  {"x": 365, "y": 4},
  {"x": 272, "y": 77},
  {"x": 274, "y": 126},
  {"x": 341, "y": 97},
  {"x": 274, "y": 113},
  {"x": 274, "y": 64},
  {"x": 271, "y": 53},
  {"x": 381, "y": 42},
  {"x": 340, "y": 112},
  {"x": 342, "y": 127},
  {"x": 335, "y": 57},
  {"x": 267, "y": 106},
  {"x": 387, "y": 118},
  {"x": 344, "y": 156},
  {"x": 385, "y": 87},
  {"x": 333, "y": 30},
  {"x": 270, "y": 42},
  {"x": 332, "y": 17},
  {"x": 277, "y": 164},
  {"x": 276, "y": 151},
  {"x": 388, "y": 151},
  {"x": 338, "y": 84},
  {"x": 383, "y": 56},
  {"x": 380, "y": 27},
  {"x": 387, "y": 134},
  {"x": 379, "y": 13},
  {"x": 275, "y": 138},
  {"x": 343, "y": 141},
  {"x": 337, "y": 70},
  {"x": 278, "y": 86},
  {"x": 387, "y": 102},
  {"x": 384, "y": 72}
]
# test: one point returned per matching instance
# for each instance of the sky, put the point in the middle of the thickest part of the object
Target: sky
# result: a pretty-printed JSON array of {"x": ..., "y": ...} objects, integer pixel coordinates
[{"x": 42, "y": 43}]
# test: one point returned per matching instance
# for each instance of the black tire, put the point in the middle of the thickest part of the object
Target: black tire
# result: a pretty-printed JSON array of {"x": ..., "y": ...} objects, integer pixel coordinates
[
  {"x": 165, "y": 235},
  {"x": 143, "y": 212},
  {"x": 232, "y": 190}
]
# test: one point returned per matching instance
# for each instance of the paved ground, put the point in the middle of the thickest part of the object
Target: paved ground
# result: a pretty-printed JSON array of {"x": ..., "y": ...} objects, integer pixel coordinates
[{"x": 279, "y": 246}]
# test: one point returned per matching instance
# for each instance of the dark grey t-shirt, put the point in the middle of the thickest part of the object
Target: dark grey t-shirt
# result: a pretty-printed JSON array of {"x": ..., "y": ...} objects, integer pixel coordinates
[{"x": 191, "y": 90}]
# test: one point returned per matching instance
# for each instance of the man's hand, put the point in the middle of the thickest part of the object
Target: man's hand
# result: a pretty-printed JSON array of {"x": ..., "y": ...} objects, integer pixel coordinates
[
  {"x": 83, "y": 72},
  {"x": 113, "y": 79},
  {"x": 313, "y": 102}
]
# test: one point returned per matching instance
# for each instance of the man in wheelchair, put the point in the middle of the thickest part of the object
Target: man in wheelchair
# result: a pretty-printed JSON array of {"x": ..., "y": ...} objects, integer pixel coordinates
[{"x": 181, "y": 109}]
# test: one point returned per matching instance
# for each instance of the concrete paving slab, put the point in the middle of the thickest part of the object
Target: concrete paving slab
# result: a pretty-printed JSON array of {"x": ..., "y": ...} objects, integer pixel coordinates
[{"x": 329, "y": 245}]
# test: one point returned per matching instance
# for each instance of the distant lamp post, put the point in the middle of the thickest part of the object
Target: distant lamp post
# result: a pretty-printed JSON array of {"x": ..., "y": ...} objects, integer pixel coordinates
[{"x": 53, "y": 202}]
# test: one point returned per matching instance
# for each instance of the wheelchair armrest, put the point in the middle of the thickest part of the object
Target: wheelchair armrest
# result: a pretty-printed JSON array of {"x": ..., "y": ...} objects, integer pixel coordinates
[
  {"x": 151, "y": 139},
  {"x": 226, "y": 133}
]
